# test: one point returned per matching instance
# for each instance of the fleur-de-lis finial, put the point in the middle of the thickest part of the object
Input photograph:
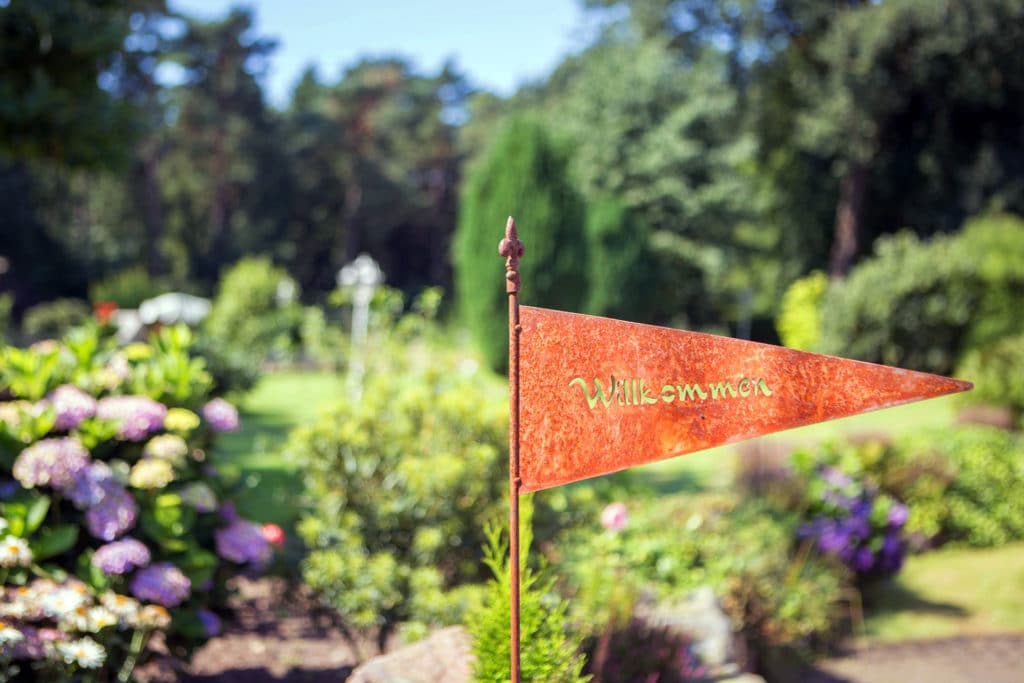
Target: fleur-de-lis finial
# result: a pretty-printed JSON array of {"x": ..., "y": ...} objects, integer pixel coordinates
[{"x": 512, "y": 249}]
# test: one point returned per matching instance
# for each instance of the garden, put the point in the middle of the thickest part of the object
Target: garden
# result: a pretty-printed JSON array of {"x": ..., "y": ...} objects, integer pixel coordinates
[{"x": 254, "y": 406}]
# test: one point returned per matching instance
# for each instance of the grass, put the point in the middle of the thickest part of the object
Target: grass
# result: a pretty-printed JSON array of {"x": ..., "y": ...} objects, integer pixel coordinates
[
  {"x": 279, "y": 403},
  {"x": 950, "y": 592}
]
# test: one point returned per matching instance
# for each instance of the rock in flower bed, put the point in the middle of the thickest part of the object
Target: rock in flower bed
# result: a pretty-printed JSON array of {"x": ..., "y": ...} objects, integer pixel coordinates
[{"x": 114, "y": 524}]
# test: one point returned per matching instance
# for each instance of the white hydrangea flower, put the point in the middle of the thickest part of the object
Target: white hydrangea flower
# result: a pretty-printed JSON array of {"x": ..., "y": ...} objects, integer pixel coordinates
[
  {"x": 85, "y": 652},
  {"x": 14, "y": 552}
]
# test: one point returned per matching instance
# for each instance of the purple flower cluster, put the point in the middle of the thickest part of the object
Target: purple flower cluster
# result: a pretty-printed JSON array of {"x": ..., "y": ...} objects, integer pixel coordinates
[
  {"x": 110, "y": 509},
  {"x": 242, "y": 541},
  {"x": 51, "y": 462},
  {"x": 857, "y": 525},
  {"x": 114, "y": 514},
  {"x": 162, "y": 583},
  {"x": 72, "y": 406},
  {"x": 120, "y": 557},
  {"x": 221, "y": 415},
  {"x": 138, "y": 416}
]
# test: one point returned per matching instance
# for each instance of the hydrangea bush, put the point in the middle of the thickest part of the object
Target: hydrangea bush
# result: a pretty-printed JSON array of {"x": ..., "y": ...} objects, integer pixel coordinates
[{"x": 114, "y": 526}]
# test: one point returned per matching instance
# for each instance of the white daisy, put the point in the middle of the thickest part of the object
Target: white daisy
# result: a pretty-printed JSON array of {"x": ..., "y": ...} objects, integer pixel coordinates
[
  {"x": 85, "y": 652},
  {"x": 14, "y": 552},
  {"x": 100, "y": 618},
  {"x": 63, "y": 602},
  {"x": 9, "y": 635},
  {"x": 122, "y": 606}
]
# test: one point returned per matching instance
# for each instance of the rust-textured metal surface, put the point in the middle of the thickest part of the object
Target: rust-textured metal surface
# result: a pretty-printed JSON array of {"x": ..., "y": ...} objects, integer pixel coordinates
[
  {"x": 600, "y": 395},
  {"x": 512, "y": 249}
]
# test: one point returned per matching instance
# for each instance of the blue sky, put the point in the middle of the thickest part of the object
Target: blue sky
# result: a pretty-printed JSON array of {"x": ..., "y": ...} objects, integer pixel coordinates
[{"x": 498, "y": 45}]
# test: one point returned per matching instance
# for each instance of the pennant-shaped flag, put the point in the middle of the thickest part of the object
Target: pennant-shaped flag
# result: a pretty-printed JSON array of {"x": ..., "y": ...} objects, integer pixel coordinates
[{"x": 600, "y": 395}]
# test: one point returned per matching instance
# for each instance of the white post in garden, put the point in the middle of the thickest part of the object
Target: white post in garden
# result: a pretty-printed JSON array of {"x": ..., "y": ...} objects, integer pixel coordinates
[{"x": 363, "y": 276}]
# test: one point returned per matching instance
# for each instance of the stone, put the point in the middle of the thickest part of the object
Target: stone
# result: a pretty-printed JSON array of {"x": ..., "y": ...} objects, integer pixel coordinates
[{"x": 443, "y": 657}]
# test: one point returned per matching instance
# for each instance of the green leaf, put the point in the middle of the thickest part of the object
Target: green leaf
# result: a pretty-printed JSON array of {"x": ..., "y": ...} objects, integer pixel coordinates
[
  {"x": 52, "y": 542},
  {"x": 36, "y": 513}
]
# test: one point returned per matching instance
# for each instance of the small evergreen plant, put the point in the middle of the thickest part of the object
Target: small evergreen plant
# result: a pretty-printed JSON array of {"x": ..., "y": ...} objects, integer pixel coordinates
[{"x": 549, "y": 651}]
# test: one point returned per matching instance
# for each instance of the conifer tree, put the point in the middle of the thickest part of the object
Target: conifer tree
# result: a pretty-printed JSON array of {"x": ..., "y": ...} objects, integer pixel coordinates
[{"x": 523, "y": 174}]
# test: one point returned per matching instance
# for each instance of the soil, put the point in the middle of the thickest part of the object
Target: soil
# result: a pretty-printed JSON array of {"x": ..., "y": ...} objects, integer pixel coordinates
[{"x": 279, "y": 633}]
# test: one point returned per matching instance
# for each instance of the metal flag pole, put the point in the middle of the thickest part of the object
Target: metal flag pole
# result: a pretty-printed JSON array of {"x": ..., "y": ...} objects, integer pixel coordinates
[{"x": 512, "y": 249}]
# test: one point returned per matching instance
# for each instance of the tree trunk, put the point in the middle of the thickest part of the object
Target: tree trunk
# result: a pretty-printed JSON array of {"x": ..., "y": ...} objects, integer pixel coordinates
[{"x": 848, "y": 219}]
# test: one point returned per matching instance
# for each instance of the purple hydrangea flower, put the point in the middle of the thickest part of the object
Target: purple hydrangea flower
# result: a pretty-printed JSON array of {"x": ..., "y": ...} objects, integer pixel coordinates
[
  {"x": 120, "y": 557},
  {"x": 88, "y": 487},
  {"x": 221, "y": 415},
  {"x": 114, "y": 514},
  {"x": 898, "y": 515},
  {"x": 211, "y": 622},
  {"x": 242, "y": 541},
  {"x": 51, "y": 462},
  {"x": 162, "y": 583},
  {"x": 138, "y": 416},
  {"x": 835, "y": 477},
  {"x": 72, "y": 406}
]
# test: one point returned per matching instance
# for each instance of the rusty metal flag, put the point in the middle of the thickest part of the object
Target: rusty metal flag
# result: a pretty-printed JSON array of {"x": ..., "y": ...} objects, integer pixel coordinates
[{"x": 599, "y": 395}]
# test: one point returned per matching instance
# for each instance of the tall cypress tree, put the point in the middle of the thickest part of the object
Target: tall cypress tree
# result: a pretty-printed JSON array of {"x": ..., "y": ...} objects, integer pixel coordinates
[{"x": 523, "y": 174}]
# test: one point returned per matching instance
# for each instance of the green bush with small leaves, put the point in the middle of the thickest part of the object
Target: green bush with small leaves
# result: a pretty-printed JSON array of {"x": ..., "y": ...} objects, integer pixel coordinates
[
  {"x": 922, "y": 304},
  {"x": 127, "y": 288},
  {"x": 996, "y": 370},
  {"x": 799, "y": 321},
  {"x": 52, "y": 319}
]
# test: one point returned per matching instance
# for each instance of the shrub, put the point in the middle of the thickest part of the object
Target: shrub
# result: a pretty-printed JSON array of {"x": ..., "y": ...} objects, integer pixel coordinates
[
  {"x": 744, "y": 552},
  {"x": 959, "y": 485},
  {"x": 995, "y": 370},
  {"x": 113, "y": 525},
  {"x": 922, "y": 304},
  {"x": 401, "y": 481},
  {"x": 980, "y": 503},
  {"x": 127, "y": 288},
  {"x": 621, "y": 273},
  {"x": 799, "y": 321},
  {"x": 848, "y": 518},
  {"x": 51, "y": 320},
  {"x": 549, "y": 651},
  {"x": 255, "y": 310},
  {"x": 524, "y": 173}
]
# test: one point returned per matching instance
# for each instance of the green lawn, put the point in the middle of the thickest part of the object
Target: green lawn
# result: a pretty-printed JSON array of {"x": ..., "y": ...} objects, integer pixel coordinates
[
  {"x": 949, "y": 592},
  {"x": 280, "y": 402}
]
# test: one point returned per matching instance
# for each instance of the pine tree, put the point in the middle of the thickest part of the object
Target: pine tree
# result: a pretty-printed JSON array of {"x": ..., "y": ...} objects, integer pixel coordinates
[{"x": 523, "y": 174}]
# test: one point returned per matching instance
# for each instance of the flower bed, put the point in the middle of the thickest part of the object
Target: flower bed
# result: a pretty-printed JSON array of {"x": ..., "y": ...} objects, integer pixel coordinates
[{"x": 116, "y": 533}]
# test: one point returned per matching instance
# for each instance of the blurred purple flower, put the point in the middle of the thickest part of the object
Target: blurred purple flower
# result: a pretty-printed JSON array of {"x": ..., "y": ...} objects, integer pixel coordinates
[
  {"x": 162, "y": 583},
  {"x": 833, "y": 538},
  {"x": 242, "y": 541},
  {"x": 88, "y": 487},
  {"x": 857, "y": 526},
  {"x": 211, "y": 622},
  {"x": 614, "y": 517},
  {"x": 120, "y": 557},
  {"x": 72, "y": 406},
  {"x": 221, "y": 415},
  {"x": 8, "y": 487},
  {"x": 864, "y": 560},
  {"x": 892, "y": 554},
  {"x": 51, "y": 462},
  {"x": 138, "y": 416},
  {"x": 835, "y": 477},
  {"x": 114, "y": 514},
  {"x": 898, "y": 515}
]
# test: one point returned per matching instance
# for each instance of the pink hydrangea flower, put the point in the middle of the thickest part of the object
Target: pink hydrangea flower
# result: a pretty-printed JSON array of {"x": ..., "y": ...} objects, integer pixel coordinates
[{"x": 221, "y": 415}]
